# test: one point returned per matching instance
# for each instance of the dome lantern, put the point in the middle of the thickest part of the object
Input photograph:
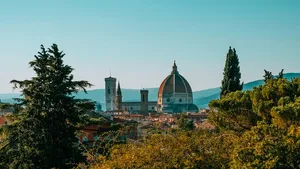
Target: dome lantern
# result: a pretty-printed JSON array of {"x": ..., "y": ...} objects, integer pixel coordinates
[{"x": 174, "y": 71}]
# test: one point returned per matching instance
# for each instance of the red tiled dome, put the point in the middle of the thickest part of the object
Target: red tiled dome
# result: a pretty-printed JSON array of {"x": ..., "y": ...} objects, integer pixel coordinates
[{"x": 174, "y": 83}]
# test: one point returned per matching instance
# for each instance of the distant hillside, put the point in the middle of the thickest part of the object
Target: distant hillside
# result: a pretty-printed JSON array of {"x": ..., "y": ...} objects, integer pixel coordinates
[{"x": 201, "y": 98}]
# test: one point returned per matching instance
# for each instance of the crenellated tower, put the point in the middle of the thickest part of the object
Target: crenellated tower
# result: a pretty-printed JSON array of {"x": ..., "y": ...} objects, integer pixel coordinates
[{"x": 144, "y": 101}]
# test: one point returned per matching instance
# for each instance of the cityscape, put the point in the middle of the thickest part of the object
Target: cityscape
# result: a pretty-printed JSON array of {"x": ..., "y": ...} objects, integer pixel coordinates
[{"x": 150, "y": 84}]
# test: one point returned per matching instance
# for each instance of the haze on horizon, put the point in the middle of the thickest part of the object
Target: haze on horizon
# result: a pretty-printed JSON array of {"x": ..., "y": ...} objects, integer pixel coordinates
[{"x": 139, "y": 41}]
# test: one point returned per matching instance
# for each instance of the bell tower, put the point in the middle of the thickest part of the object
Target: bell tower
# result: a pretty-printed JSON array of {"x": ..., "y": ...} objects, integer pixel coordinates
[
  {"x": 119, "y": 98},
  {"x": 110, "y": 93}
]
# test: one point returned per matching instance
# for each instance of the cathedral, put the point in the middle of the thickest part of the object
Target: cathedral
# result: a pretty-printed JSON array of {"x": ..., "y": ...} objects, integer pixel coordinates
[{"x": 174, "y": 96}]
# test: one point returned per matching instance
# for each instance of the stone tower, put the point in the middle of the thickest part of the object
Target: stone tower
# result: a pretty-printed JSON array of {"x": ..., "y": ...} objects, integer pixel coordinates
[
  {"x": 110, "y": 93},
  {"x": 144, "y": 101},
  {"x": 119, "y": 98}
]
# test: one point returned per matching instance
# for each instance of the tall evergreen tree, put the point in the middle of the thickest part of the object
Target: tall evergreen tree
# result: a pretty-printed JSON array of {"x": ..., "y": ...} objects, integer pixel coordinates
[
  {"x": 232, "y": 75},
  {"x": 45, "y": 135}
]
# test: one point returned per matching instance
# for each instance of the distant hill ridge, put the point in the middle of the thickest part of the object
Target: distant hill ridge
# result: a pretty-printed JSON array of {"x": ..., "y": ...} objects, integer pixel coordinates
[{"x": 201, "y": 98}]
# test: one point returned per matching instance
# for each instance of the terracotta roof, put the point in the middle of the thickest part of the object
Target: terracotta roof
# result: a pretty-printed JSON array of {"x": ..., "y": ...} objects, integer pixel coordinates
[
  {"x": 206, "y": 125},
  {"x": 147, "y": 126},
  {"x": 136, "y": 115},
  {"x": 174, "y": 82},
  {"x": 197, "y": 115},
  {"x": 2, "y": 120}
]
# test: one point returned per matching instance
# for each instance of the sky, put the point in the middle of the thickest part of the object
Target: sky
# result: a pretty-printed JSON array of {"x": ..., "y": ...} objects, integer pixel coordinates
[{"x": 138, "y": 40}]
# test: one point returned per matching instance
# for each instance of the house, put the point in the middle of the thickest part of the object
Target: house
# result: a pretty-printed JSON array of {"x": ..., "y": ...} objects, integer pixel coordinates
[
  {"x": 3, "y": 120},
  {"x": 102, "y": 132},
  {"x": 197, "y": 116}
]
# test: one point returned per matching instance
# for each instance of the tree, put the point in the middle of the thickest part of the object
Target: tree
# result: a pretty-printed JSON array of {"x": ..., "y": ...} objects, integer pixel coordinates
[
  {"x": 268, "y": 75},
  {"x": 231, "y": 80},
  {"x": 280, "y": 75},
  {"x": 272, "y": 102},
  {"x": 197, "y": 149},
  {"x": 266, "y": 146},
  {"x": 185, "y": 124},
  {"x": 45, "y": 134}
]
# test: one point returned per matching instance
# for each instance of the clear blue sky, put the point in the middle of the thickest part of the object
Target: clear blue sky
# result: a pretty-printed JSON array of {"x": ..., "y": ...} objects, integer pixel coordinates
[{"x": 139, "y": 39}]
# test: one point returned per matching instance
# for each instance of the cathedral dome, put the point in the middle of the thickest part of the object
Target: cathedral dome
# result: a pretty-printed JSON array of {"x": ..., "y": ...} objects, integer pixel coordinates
[
  {"x": 175, "y": 94},
  {"x": 174, "y": 83}
]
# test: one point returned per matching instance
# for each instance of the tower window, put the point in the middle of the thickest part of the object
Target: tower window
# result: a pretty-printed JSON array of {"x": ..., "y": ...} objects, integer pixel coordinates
[
  {"x": 108, "y": 91},
  {"x": 143, "y": 98}
]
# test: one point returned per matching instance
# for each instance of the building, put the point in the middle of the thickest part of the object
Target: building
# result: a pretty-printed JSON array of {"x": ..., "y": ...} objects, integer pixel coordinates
[
  {"x": 197, "y": 116},
  {"x": 110, "y": 93},
  {"x": 102, "y": 132},
  {"x": 3, "y": 120},
  {"x": 174, "y": 96},
  {"x": 114, "y": 100}
]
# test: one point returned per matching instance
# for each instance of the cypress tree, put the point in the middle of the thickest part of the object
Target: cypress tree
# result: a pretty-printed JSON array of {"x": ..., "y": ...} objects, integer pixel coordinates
[
  {"x": 44, "y": 136},
  {"x": 231, "y": 80}
]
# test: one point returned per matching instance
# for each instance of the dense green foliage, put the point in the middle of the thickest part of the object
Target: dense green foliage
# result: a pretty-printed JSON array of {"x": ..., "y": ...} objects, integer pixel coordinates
[
  {"x": 232, "y": 75},
  {"x": 185, "y": 124},
  {"x": 44, "y": 135},
  {"x": 197, "y": 149}
]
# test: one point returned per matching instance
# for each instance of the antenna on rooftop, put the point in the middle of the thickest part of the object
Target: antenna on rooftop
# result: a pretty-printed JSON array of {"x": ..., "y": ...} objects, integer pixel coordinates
[{"x": 109, "y": 72}]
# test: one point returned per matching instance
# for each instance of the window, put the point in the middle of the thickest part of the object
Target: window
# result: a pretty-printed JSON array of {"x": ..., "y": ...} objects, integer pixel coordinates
[
  {"x": 180, "y": 100},
  {"x": 168, "y": 100},
  {"x": 143, "y": 98},
  {"x": 108, "y": 91},
  {"x": 131, "y": 108},
  {"x": 152, "y": 108}
]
